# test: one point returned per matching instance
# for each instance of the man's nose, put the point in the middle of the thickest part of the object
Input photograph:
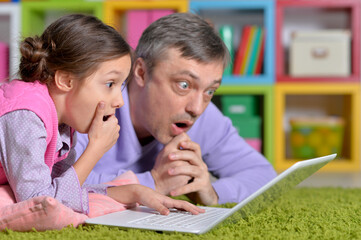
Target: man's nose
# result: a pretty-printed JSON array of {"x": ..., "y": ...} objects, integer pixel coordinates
[{"x": 195, "y": 105}]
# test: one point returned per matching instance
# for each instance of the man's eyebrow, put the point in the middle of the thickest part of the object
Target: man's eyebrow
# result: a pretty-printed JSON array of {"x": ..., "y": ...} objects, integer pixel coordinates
[{"x": 186, "y": 72}]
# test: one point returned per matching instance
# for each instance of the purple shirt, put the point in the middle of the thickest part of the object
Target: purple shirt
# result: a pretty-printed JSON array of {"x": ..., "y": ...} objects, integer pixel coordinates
[
  {"x": 240, "y": 170},
  {"x": 22, "y": 148}
]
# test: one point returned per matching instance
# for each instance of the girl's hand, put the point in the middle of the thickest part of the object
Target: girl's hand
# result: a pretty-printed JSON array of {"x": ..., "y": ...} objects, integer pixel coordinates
[
  {"x": 103, "y": 134},
  {"x": 136, "y": 193}
]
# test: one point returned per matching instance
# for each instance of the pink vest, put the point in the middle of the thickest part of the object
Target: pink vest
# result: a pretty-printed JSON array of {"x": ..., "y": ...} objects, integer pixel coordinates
[{"x": 34, "y": 97}]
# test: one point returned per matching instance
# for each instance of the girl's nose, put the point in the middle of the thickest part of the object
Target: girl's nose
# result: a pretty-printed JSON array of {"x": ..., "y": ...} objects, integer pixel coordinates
[{"x": 119, "y": 102}]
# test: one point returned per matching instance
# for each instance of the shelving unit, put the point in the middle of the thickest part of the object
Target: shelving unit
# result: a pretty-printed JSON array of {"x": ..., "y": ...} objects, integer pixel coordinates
[
  {"x": 10, "y": 33},
  {"x": 280, "y": 94},
  {"x": 320, "y": 96},
  {"x": 238, "y": 14},
  {"x": 36, "y": 15},
  {"x": 340, "y": 99}
]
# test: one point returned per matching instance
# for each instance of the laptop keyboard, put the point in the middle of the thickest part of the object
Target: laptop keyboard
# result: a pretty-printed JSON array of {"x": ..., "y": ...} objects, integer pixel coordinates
[{"x": 181, "y": 218}]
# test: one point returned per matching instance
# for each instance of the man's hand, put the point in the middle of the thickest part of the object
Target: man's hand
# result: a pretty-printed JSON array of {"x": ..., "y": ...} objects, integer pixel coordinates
[
  {"x": 199, "y": 189},
  {"x": 165, "y": 182}
]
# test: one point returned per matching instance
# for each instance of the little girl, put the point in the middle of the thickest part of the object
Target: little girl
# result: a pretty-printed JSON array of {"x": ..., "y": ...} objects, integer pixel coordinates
[{"x": 71, "y": 80}]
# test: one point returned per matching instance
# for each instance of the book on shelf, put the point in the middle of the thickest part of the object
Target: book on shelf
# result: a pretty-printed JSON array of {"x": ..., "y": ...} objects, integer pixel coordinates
[
  {"x": 246, "y": 57},
  {"x": 241, "y": 50},
  {"x": 259, "y": 64},
  {"x": 255, "y": 51},
  {"x": 249, "y": 57},
  {"x": 226, "y": 32}
]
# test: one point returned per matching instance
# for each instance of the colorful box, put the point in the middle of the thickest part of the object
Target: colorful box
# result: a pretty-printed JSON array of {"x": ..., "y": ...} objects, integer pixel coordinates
[
  {"x": 239, "y": 106},
  {"x": 256, "y": 143},
  {"x": 316, "y": 137},
  {"x": 248, "y": 127}
]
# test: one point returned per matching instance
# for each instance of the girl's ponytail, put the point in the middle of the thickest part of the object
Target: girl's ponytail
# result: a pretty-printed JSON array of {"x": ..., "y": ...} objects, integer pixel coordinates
[{"x": 33, "y": 62}]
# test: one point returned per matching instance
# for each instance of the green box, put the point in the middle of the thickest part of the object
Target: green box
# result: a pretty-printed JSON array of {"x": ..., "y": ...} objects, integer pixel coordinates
[
  {"x": 240, "y": 106},
  {"x": 248, "y": 127}
]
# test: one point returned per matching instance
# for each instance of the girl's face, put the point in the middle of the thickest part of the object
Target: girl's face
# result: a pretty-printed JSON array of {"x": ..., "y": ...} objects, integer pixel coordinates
[{"x": 105, "y": 84}]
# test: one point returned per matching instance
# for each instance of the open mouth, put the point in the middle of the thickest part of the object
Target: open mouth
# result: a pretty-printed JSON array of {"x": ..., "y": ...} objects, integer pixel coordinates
[
  {"x": 181, "y": 125},
  {"x": 105, "y": 118}
]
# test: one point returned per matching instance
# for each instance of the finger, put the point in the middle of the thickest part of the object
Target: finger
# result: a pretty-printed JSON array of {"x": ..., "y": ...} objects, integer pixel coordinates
[
  {"x": 99, "y": 113},
  {"x": 184, "y": 205},
  {"x": 190, "y": 170},
  {"x": 158, "y": 206},
  {"x": 192, "y": 146},
  {"x": 189, "y": 188},
  {"x": 175, "y": 142},
  {"x": 186, "y": 155}
]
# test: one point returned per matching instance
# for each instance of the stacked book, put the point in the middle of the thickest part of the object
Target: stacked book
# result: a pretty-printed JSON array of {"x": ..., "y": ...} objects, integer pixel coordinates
[{"x": 248, "y": 59}]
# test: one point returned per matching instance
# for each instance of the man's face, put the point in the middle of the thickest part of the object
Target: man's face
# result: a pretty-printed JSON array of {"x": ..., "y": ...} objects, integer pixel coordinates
[{"x": 174, "y": 96}]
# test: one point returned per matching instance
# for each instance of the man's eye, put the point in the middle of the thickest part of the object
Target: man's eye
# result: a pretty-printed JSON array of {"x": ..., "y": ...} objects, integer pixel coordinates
[
  {"x": 109, "y": 84},
  {"x": 211, "y": 92},
  {"x": 184, "y": 85}
]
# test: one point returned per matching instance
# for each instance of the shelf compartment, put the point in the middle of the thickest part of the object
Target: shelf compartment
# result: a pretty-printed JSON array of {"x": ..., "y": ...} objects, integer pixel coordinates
[
  {"x": 36, "y": 16},
  {"x": 237, "y": 14},
  {"x": 290, "y": 16},
  {"x": 265, "y": 95},
  {"x": 115, "y": 12},
  {"x": 318, "y": 100}
]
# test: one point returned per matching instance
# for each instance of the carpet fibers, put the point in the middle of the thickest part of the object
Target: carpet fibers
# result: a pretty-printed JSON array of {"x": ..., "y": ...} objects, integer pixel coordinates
[{"x": 303, "y": 213}]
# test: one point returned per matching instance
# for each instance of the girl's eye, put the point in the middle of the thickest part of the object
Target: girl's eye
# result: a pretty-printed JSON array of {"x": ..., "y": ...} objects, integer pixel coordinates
[
  {"x": 109, "y": 84},
  {"x": 184, "y": 85}
]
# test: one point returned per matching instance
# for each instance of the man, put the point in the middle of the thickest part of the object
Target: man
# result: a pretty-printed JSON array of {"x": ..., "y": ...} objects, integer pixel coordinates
[{"x": 171, "y": 134}]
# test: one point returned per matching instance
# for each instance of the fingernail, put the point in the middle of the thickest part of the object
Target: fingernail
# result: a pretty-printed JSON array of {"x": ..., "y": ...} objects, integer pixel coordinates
[
  {"x": 101, "y": 105},
  {"x": 172, "y": 156},
  {"x": 171, "y": 170}
]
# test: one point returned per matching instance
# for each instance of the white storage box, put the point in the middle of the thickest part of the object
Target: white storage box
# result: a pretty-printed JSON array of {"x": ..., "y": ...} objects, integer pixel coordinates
[{"x": 323, "y": 53}]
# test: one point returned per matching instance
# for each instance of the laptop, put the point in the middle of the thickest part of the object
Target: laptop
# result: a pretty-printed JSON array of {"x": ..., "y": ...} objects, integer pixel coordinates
[{"x": 143, "y": 217}]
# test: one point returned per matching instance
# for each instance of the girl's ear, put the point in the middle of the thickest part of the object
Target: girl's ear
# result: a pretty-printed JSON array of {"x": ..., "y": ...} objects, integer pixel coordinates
[
  {"x": 140, "y": 72},
  {"x": 63, "y": 81}
]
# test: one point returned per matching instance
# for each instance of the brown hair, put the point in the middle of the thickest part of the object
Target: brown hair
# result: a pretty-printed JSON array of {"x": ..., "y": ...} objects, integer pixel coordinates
[{"x": 74, "y": 43}]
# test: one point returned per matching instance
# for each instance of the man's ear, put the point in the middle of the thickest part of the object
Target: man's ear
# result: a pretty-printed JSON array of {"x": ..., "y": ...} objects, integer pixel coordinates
[
  {"x": 140, "y": 71},
  {"x": 63, "y": 81}
]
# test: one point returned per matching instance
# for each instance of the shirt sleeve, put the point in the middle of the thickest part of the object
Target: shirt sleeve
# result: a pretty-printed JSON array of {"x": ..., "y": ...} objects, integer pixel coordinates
[
  {"x": 23, "y": 147},
  {"x": 240, "y": 170}
]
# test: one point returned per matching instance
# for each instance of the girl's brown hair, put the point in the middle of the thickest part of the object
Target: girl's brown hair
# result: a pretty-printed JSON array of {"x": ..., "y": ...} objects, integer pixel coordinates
[{"x": 74, "y": 43}]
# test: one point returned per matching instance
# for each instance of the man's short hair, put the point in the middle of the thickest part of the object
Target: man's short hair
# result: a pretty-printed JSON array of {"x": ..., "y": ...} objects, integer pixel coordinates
[{"x": 186, "y": 32}]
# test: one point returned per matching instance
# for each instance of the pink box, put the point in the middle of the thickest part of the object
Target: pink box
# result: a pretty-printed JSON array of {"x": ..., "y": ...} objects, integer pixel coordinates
[
  {"x": 137, "y": 22},
  {"x": 4, "y": 62},
  {"x": 256, "y": 143},
  {"x": 156, "y": 14}
]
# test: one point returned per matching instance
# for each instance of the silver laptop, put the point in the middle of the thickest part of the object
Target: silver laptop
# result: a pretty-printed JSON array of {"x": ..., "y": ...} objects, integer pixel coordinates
[{"x": 180, "y": 221}]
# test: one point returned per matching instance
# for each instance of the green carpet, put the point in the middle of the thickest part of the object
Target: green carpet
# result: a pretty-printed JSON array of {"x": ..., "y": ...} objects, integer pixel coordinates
[{"x": 303, "y": 213}]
